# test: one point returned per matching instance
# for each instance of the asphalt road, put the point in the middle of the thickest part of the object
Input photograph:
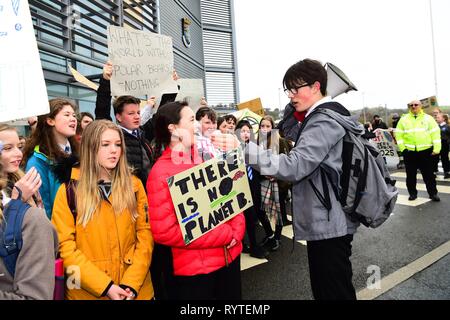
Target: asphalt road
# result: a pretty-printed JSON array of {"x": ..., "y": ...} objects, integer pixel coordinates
[{"x": 411, "y": 233}]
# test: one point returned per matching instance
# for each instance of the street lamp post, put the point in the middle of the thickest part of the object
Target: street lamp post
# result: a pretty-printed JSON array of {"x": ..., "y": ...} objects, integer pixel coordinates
[
  {"x": 434, "y": 49},
  {"x": 385, "y": 113},
  {"x": 279, "y": 98},
  {"x": 364, "y": 108}
]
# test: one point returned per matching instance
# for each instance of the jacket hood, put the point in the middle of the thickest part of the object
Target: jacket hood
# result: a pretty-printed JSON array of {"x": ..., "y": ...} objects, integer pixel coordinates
[
  {"x": 342, "y": 116},
  {"x": 38, "y": 154}
]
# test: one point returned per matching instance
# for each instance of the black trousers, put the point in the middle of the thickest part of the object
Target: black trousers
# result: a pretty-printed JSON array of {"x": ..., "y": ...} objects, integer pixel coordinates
[
  {"x": 255, "y": 187},
  {"x": 161, "y": 271},
  {"x": 330, "y": 268},
  {"x": 424, "y": 161},
  {"x": 444, "y": 158},
  {"x": 250, "y": 226},
  {"x": 222, "y": 284}
]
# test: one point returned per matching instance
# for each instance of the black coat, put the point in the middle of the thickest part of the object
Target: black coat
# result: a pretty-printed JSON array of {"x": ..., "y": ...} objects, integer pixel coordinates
[{"x": 134, "y": 145}]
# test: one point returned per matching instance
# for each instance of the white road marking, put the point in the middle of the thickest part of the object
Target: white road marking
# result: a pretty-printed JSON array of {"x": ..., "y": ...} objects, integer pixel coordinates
[
  {"x": 422, "y": 187},
  {"x": 403, "y": 274},
  {"x": 289, "y": 233},
  {"x": 249, "y": 262},
  {"x": 403, "y": 200},
  {"x": 403, "y": 175}
]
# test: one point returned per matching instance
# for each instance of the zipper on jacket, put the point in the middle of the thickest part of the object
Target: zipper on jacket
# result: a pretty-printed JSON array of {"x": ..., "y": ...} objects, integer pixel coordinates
[{"x": 225, "y": 251}]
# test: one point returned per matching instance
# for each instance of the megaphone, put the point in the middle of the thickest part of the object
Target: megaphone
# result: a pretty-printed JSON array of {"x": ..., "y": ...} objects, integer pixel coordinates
[{"x": 338, "y": 82}]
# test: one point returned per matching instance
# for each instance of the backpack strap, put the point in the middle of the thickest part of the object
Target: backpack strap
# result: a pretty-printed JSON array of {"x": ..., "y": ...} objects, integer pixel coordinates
[
  {"x": 70, "y": 195},
  {"x": 347, "y": 152},
  {"x": 324, "y": 199},
  {"x": 12, "y": 233},
  {"x": 362, "y": 181},
  {"x": 332, "y": 105}
]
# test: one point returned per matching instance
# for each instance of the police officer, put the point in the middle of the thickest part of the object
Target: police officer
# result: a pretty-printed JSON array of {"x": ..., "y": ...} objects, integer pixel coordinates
[{"x": 419, "y": 139}]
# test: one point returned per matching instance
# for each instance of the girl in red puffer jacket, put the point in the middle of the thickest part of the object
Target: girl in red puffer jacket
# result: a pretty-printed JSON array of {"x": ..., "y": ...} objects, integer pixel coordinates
[{"x": 209, "y": 267}]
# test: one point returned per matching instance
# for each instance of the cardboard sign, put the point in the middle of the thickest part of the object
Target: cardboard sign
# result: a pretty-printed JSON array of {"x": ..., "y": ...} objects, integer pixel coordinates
[
  {"x": 254, "y": 105},
  {"x": 22, "y": 86},
  {"x": 210, "y": 194},
  {"x": 192, "y": 91},
  {"x": 83, "y": 80},
  {"x": 429, "y": 102},
  {"x": 142, "y": 62},
  {"x": 250, "y": 116},
  {"x": 386, "y": 145}
]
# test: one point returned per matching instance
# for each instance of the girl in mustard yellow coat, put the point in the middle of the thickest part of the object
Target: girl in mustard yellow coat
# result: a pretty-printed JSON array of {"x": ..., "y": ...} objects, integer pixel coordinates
[{"x": 106, "y": 243}]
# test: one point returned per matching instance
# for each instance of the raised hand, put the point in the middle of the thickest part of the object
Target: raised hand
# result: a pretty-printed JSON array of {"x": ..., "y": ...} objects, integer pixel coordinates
[
  {"x": 151, "y": 101},
  {"x": 29, "y": 184},
  {"x": 107, "y": 70}
]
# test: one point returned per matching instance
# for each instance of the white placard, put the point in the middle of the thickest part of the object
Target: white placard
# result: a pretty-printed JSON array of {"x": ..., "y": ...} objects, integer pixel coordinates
[
  {"x": 142, "y": 62},
  {"x": 22, "y": 86},
  {"x": 192, "y": 91},
  {"x": 385, "y": 143}
]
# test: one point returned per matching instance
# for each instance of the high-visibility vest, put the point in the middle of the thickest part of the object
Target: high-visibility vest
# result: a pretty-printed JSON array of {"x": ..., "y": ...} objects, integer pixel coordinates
[{"x": 417, "y": 133}]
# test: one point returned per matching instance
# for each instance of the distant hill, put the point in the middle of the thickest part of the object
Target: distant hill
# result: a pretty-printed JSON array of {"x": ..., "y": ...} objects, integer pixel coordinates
[{"x": 370, "y": 112}]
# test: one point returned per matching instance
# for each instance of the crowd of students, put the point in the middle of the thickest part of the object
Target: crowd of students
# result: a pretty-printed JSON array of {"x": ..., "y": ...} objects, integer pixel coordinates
[
  {"x": 100, "y": 201},
  {"x": 99, "y": 197}
]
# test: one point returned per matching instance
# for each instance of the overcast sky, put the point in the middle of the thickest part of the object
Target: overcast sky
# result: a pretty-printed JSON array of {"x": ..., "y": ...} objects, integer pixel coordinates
[{"x": 383, "y": 46}]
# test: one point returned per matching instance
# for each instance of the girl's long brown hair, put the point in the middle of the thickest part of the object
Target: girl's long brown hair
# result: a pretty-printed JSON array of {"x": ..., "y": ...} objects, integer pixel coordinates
[
  {"x": 268, "y": 136},
  {"x": 44, "y": 137},
  {"x": 88, "y": 197},
  {"x": 11, "y": 178}
]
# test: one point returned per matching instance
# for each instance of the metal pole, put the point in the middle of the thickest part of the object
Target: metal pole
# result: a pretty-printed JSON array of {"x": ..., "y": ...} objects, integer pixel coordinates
[
  {"x": 279, "y": 98},
  {"x": 385, "y": 114},
  {"x": 364, "y": 108},
  {"x": 434, "y": 50}
]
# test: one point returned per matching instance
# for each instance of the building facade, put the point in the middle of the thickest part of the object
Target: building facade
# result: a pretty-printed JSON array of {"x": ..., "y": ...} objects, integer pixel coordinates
[{"x": 73, "y": 33}]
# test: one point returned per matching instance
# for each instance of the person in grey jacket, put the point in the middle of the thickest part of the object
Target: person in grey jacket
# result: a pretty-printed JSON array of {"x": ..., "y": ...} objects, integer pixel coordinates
[
  {"x": 316, "y": 154},
  {"x": 34, "y": 276}
]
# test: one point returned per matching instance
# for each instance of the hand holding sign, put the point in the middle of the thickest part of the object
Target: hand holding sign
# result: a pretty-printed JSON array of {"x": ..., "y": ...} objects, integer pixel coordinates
[{"x": 107, "y": 70}]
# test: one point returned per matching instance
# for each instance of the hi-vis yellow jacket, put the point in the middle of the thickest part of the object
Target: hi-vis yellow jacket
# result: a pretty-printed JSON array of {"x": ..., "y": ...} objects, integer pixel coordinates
[{"x": 417, "y": 133}]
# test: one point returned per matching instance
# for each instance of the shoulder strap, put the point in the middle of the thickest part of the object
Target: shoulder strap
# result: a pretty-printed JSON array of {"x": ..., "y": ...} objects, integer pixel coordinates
[
  {"x": 70, "y": 195},
  {"x": 12, "y": 233}
]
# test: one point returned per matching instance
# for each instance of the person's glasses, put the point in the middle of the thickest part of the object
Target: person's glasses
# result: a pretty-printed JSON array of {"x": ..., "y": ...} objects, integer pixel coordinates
[
  {"x": 294, "y": 91},
  {"x": 413, "y": 105}
]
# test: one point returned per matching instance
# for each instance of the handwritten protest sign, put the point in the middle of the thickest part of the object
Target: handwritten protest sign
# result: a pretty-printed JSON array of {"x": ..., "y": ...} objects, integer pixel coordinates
[
  {"x": 385, "y": 143},
  {"x": 192, "y": 91},
  {"x": 210, "y": 194},
  {"x": 142, "y": 62},
  {"x": 429, "y": 102},
  {"x": 22, "y": 87},
  {"x": 254, "y": 105}
]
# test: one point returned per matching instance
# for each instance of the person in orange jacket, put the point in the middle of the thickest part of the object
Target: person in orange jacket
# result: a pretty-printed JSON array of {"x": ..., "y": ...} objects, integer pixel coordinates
[{"x": 106, "y": 242}]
